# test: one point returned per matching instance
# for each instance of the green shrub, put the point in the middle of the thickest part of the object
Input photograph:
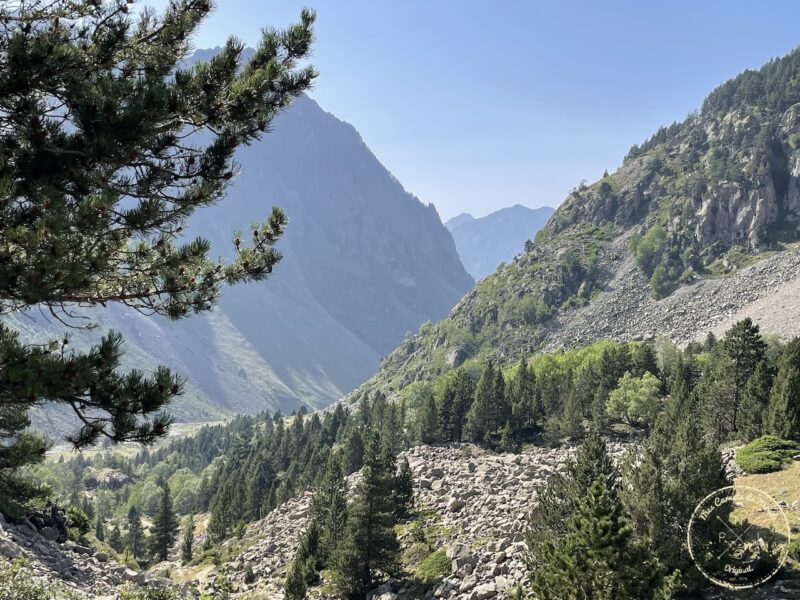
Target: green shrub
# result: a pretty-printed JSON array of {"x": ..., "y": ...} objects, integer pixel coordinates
[
  {"x": 766, "y": 454},
  {"x": 130, "y": 591},
  {"x": 435, "y": 566},
  {"x": 793, "y": 550},
  {"x": 19, "y": 582}
]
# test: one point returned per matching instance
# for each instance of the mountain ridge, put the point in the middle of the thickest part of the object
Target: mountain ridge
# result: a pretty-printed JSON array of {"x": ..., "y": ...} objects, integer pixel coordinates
[
  {"x": 485, "y": 242},
  {"x": 700, "y": 199},
  {"x": 365, "y": 263}
]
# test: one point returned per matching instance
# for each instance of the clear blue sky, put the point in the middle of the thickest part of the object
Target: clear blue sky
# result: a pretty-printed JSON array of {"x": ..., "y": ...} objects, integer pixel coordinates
[{"x": 476, "y": 105}]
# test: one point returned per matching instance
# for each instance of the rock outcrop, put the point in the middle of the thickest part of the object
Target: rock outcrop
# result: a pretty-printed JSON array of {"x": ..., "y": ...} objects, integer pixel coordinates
[{"x": 76, "y": 566}]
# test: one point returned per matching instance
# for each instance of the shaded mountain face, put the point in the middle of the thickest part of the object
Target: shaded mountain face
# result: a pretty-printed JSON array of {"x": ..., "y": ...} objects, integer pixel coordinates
[
  {"x": 486, "y": 242},
  {"x": 365, "y": 263},
  {"x": 702, "y": 200}
]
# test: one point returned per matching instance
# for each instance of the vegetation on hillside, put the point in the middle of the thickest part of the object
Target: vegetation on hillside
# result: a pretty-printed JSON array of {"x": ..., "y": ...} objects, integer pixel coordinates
[
  {"x": 230, "y": 475},
  {"x": 699, "y": 198}
]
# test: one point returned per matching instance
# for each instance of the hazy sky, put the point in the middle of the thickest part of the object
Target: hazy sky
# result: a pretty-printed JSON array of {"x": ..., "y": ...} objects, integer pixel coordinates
[{"x": 476, "y": 105}]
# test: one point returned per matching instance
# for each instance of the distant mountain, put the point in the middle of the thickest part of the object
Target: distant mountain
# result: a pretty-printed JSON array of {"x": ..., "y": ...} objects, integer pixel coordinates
[
  {"x": 488, "y": 241},
  {"x": 365, "y": 264}
]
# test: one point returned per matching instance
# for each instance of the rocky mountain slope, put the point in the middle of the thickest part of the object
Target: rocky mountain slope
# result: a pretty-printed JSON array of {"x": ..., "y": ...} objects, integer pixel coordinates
[
  {"x": 365, "y": 263},
  {"x": 474, "y": 501},
  {"x": 641, "y": 251},
  {"x": 486, "y": 242}
]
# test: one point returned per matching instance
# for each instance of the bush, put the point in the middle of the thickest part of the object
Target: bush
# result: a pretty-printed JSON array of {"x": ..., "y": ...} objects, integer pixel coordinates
[
  {"x": 766, "y": 454},
  {"x": 793, "y": 550},
  {"x": 19, "y": 582},
  {"x": 435, "y": 566},
  {"x": 130, "y": 591}
]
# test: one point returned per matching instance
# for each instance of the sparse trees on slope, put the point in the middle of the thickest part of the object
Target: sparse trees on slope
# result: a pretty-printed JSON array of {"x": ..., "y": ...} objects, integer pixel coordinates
[{"x": 97, "y": 181}]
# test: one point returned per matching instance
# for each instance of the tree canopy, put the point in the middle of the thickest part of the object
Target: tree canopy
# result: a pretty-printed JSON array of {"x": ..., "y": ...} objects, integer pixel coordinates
[{"x": 108, "y": 144}]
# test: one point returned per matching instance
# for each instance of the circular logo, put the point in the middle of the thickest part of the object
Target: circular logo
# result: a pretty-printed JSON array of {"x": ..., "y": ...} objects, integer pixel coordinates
[{"x": 738, "y": 537}]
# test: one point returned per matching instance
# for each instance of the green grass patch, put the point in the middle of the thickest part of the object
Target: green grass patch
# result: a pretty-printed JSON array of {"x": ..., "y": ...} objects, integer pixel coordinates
[{"x": 766, "y": 454}]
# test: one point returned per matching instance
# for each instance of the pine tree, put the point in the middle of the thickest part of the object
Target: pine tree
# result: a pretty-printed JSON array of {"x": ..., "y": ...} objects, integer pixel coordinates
[
  {"x": 755, "y": 399},
  {"x": 329, "y": 508},
  {"x": 187, "y": 542},
  {"x": 428, "y": 421},
  {"x": 502, "y": 405},
  {"x": 95, "y": 194},
  {"x": 115, "y": 539},
  {"x": 99, "y": 530},
  {"x": 295, "y": 587},
  {"x": 165, "y": 527},
  {"x": 557, "y": 499},
  {"x": 745, "y": 349},
  {"x": 579, "y": 544},
  {"x": 674, "y": 468},
  {"x": 403, "y": 489},
  {"x": 481, "y": 418},
  {"x": 598, "y": 558},
  {"x": 782, "y": 417},
  {"x": 463, "y": 389},
  {"x": 524, "y": 405},
  {"x": 134, "y": 540},
  {"x": 369, "y": 549},
  {"x": 447, "y": 415}
]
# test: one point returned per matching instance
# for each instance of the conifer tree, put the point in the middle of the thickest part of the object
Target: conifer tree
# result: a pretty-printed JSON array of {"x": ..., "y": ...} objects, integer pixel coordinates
[
  {"x": 187, "y": 541},
  {"x": 782, "y": 417},
  {"x": 403, "y": 489},
  {"x": 502, "y": 406},
  {"x": 463, "y": 390},
  {"x": 98, "y": 178},
  {"x": 522, "y": 396},
  {"x": 329, "y": 508},
  {"x": 134, "y": 539},
  {"x": 115, "y": 539},
  {"x": 165, "y": 527},
  {"x": 99, "y": 530},
  {"x": 557, "y": 499},
  {"x": 295, "y": 587},
  {"x": 745, "y": 349},
  {"x": 598, "y": 558},
  {"x": 675, "y": 467},
  {"x": 481, "y": 418},
  {"x": 580, "y": 546},
  {"x": 428, "y": 420},
  {"x": 447, "y": 415},
  {"x": 370, "y": 549},
  {"x": 755, "y": 399}
]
